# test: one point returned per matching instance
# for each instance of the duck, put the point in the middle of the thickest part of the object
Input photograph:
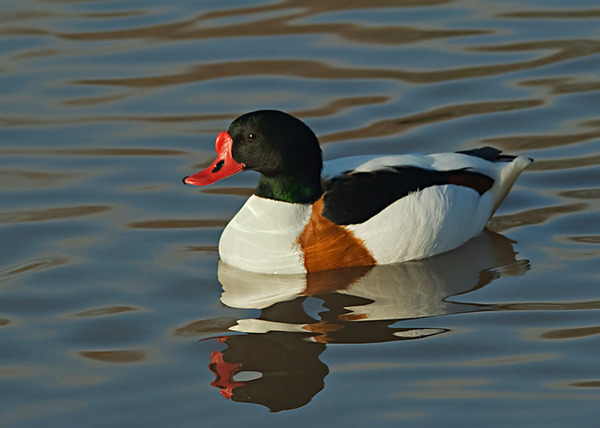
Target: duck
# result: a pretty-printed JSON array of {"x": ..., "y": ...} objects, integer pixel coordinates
[{"x": 306, "y": 215}]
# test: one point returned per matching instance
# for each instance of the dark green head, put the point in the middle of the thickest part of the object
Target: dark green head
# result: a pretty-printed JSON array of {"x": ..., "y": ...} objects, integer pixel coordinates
[{"x": 284, "y": 150}]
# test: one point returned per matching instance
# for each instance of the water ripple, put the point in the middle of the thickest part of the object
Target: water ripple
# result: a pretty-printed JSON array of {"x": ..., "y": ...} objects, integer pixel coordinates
[
  {"x": 116, "y": 356},
  {"x": 178, "y": 224},
  {"x": 31, "y": 266},
  {"x": 109, "y": 104},
  {"x": 46, "y": 214},
  {"x": 108, "y": 310}
]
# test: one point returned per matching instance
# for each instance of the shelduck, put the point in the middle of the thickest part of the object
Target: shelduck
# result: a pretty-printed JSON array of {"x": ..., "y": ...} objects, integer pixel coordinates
[{"x": 306, "y": 215}]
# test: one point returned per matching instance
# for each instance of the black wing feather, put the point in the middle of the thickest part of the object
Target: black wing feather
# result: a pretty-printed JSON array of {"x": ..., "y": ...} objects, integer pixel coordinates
[{"x": 488, "y": 153}]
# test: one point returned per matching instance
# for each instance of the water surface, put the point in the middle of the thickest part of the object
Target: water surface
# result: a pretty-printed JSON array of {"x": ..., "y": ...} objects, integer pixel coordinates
[{"x": 114, "y": 310}]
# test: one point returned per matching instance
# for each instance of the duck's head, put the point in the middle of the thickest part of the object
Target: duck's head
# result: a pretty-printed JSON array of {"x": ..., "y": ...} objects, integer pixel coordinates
[{"x": 282, "y": 148}]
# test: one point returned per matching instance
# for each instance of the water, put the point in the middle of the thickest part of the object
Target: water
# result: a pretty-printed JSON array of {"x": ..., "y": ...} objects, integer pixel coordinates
[{"x": 110, "y": 304}]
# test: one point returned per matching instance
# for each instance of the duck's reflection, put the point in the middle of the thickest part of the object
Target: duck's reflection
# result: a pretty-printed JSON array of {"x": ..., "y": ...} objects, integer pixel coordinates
[{"x": 276, "y": 362}]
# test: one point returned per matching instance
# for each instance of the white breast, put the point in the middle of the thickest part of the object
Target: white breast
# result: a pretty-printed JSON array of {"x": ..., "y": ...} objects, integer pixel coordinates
[{"x": 262, "y": 237}]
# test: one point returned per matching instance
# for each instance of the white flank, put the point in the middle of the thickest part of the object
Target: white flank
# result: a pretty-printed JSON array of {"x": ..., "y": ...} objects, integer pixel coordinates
[
  {"x": 439, "y": 218},
  {"x": 422, "y": 224},
  {"x": 262, "y": 237}
]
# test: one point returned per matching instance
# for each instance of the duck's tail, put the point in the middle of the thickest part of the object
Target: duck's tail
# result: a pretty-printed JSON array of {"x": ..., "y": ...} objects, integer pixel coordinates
[{"x": 510, "y": 167}]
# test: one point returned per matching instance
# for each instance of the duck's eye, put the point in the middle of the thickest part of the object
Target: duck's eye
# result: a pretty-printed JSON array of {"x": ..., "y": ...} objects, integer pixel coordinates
[{"x": 252, "y": 136}]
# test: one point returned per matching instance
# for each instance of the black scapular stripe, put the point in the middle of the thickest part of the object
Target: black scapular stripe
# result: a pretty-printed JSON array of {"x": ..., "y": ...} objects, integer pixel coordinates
[
  {"x": 356, "y": 197},
  {"x": 488, "y": 153}
]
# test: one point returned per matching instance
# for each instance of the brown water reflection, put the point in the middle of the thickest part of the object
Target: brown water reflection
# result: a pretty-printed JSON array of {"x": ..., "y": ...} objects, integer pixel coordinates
[
  {"x": 176, "y": 224},
  {"x": 117, "y": 152},
  {"x": 564, "y": 85},
  {"x": 554, "y": 14},
  {"x": 590, "y": 384},
  {"x": 586, "y": 239},
  {"x": 119, "y": 356},
  {"x": 236, "y": 191},
  {"x": 582, "y": 194},
  {"x": 106, "y": 311},
  {"x": 11, "y": 179},
  {"x": 571, "y": 333},
  {"x": 51, "y": 213},
  {"x": 502, "y": 223},
  {"x": 541, "y": 306},
  {"x": 31, "y": 266},
  {"x": 397, "y": 126},
  {"x": 203, "y": 327},
  {"x": 206, "y": 248},
  {"x": 532, "y": 142}
]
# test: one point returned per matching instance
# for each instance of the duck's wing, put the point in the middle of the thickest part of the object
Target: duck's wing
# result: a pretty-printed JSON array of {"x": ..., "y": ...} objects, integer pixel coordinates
[
  {"x": 356, "y": 189},
  {"x": 356, "y": 197}
]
